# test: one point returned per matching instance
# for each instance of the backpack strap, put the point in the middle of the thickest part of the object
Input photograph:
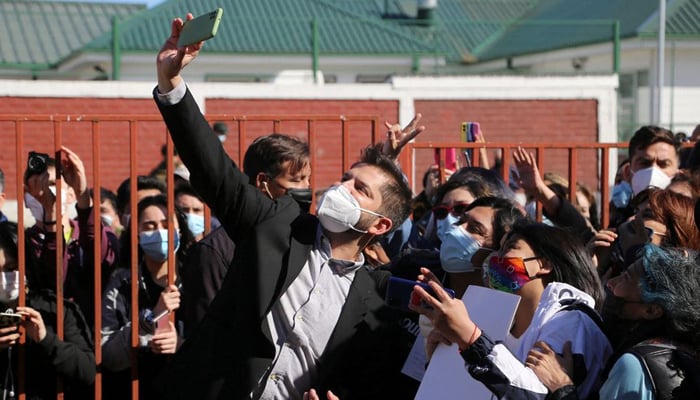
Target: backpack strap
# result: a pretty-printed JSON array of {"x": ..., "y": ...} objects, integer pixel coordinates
[{"x": 575, "y": 305}]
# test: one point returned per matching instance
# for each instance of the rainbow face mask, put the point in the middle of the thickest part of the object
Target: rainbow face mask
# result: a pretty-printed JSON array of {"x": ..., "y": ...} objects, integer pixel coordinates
[{"x": 508, "y": 274}]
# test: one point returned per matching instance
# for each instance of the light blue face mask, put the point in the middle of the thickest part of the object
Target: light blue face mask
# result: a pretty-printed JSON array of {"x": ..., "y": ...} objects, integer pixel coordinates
[
  {"x": 457, "y": 249},
  {"x": 155, "y": 244},
  {"x": 195, "y": 223},
  {"x": 445, "y": 225},
  {"x": 621, "y": 194}
]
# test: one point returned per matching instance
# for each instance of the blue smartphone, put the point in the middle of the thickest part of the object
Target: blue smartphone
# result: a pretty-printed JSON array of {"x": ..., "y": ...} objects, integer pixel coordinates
[{"x": 399, "y": 292}]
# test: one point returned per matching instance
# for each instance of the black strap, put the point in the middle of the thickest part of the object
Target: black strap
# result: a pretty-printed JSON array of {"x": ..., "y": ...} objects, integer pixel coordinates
[{"x": 575, "y": 305}]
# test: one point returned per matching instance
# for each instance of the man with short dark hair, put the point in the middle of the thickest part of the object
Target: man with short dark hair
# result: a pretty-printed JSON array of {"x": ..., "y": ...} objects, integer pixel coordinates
[
  {"x": 276, "y": 164},
  {"x": 654, "y": 159},
  {"x": 301, "y": 311},
  {"x": 145, "y": 186}
]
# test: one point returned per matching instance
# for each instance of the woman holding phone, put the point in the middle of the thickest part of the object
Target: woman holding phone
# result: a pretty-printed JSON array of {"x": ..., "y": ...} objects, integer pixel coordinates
[
  {"x": 158, "y": 335},
  {"x": 559, "y": 288},
  {"x": 46, "y": 356}
]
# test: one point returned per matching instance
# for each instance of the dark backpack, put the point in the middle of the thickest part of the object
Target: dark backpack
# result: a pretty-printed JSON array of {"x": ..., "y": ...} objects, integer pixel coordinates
[{"x": 673, "y": 371}]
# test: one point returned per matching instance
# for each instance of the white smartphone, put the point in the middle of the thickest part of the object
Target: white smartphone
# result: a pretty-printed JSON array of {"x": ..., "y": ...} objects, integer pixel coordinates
[{"x": 201, "y": 28}]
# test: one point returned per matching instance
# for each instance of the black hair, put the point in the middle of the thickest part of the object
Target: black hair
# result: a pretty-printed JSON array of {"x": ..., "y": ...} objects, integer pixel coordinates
[
  {"x": 648, "y": 135},
  {"x": 268, "y": 154},
  {"x": 186, "y": 189},
  {"x": 396, "y": 195},
  {"x": 506, "y": 214},
  {"x": 105, "y": 195},
  {"x": 567, "y": 257},
  {"x": 8, "y": 238},
  {"x": 142, "y": 183},
  {"x": 480, "y": 182},
  {"x": 186, "y": 236}
]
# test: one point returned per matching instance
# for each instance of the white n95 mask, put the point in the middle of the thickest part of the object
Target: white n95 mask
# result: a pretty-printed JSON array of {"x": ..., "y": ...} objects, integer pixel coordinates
[
  {"x": 649, "y": 177},
  {"x": 339, "y": 211}
]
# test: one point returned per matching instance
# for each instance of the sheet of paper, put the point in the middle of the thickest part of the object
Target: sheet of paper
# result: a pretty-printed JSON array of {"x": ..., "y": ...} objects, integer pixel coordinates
[
  {"x": 446, "y": 377},
  {"x": 416, "y": 360}
]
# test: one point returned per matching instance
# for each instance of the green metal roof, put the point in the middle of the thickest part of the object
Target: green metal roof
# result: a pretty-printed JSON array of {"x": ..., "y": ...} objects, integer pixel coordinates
[
  {"x": 271, "y": 27},
  {"x": 557, "y": 24},
  {"x": 682, "y": 20},
  {"x": 38, "y": 34},
  {"x": 345, "y": 26}
]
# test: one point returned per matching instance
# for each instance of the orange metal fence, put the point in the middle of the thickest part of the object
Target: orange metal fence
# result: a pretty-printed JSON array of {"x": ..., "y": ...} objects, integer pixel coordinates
[
  {"x": 92, "y": 140},
  {"x": 89, "y": 134},
  {"x": 600, "y": 162}
]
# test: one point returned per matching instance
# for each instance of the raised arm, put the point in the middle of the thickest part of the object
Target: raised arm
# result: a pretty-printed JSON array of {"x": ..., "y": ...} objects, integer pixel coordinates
[{"x": 213, "y": 174}]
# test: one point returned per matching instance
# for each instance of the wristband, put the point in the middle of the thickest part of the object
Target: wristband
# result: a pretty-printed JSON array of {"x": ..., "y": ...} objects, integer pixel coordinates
[
  {"x": 49, "y": 222},
  {"x": 471, "y": 340}
]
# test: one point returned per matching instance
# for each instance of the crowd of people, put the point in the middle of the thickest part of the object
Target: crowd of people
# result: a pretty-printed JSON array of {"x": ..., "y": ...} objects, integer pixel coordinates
[{"x": 279, "y": 301}]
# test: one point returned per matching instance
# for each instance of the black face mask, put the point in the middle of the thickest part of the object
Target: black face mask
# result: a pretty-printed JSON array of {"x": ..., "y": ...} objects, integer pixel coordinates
[{"x": 302, "y": 197}]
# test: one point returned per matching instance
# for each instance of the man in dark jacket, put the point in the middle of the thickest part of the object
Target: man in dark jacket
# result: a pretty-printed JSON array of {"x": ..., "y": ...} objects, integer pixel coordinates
[
  {"x": 274, "y": 164},
  {"x": 301, "y": 311}
]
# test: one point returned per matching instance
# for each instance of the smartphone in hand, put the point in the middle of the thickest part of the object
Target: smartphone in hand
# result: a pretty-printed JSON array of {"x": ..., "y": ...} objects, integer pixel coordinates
[
  {"x": 9, "y": 318},
  {"x": 399, "y": 292},
  {"x": 201, "y": 28},
  {"x": 450, "y": 158}
]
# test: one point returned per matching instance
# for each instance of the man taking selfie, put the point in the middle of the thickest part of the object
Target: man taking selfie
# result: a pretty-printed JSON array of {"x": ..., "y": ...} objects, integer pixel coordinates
[{"x": 300, "y": 311}]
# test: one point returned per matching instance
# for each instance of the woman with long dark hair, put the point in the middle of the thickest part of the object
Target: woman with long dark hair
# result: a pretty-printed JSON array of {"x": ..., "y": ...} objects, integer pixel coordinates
[
  {"x": 554, "y": 276},
  {"x": 158, "y": 336}
]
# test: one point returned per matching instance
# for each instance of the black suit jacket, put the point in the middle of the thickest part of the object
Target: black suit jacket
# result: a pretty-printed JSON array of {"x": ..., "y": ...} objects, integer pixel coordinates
[{"x": 231, "y": 349}]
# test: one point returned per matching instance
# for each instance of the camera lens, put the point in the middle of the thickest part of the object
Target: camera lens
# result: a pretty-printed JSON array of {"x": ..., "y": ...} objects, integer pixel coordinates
[{"x": 37, "y": 163}]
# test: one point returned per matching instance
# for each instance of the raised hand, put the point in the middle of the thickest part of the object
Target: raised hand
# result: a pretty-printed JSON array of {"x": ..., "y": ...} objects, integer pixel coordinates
[
  {"x": 397, "y": 138},
  {"x": 73, "y": 172},
  {"x": 172, "y": 59},
  {"x": 526, "y": 165},
  {"x": 449, "y": 316}
]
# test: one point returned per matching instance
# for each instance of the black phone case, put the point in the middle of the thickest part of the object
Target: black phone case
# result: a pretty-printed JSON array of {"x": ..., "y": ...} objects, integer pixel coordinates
[{"x": 7, "y": 319}]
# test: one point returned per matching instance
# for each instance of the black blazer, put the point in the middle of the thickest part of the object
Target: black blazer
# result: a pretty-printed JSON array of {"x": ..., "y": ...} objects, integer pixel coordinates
[{"x": 232, "y": 348}]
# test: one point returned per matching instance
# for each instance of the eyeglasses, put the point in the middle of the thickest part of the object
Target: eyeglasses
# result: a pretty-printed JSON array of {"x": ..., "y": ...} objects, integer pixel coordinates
[
  {"x": 651, "y": 233},
  {"x": 457, "y": 209}
]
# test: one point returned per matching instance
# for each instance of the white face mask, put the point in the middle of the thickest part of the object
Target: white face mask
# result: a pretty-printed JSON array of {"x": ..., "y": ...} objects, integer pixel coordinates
[
  {"x": 339, "y": 211},
  {"x": 35, "y": 208},
  {"x": 107, "y": 220},
  {"x": 649, "y": 177},
  {"x": 9, "y": 286},
  {"x": 457, "y": 249}
]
